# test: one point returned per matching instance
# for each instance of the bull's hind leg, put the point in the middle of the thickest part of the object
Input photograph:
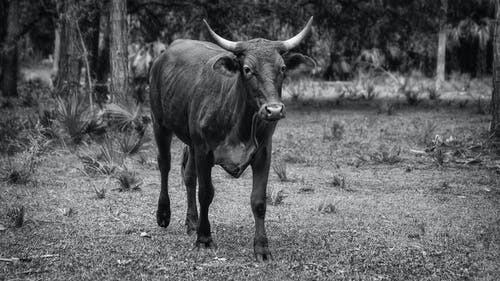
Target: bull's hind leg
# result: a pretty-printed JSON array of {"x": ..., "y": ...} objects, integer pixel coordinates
[
  {"x": 163, "y": 139},
  {"x": 188, "y": 170}
]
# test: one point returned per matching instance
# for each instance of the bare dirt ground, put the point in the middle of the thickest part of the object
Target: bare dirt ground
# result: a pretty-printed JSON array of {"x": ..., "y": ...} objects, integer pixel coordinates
[{"x": 362, "y": 201}]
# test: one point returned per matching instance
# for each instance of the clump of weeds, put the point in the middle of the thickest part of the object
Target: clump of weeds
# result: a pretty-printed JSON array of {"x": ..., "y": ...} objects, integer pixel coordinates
[
  {"x": 22, "y": 167},
  {"x": 104, "y": 161},
  {"x": 327, "y": 206},
  {"x": 335, "y": 132},
  {"x": 275, "y": 196},
  {"x": 128, "y": 181},
  {"x": 280, "y": 170},
  {"x": 385, "y": 155},
  {"x": 16, "y": 215}
]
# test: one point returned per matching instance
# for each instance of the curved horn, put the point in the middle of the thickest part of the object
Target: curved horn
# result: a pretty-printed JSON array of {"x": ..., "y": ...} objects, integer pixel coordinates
[
  {"x": 224, "y": 43},
  {"x": 295, "y": 41}
]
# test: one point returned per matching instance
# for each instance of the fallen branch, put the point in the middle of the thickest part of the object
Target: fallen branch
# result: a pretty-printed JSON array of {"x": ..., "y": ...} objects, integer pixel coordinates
[
  {"x": 417, "y": 151},
  {"x": 31, "y": 271},
  {"x": 27, "y": 259}
]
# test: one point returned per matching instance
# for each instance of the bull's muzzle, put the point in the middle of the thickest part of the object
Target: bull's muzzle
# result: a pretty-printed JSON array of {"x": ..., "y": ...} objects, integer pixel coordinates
[{"x": 272, "y": 111}]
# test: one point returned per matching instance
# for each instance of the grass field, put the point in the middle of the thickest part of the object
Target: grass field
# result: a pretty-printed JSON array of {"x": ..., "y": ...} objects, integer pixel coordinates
[{"x": 367, "y": 196}]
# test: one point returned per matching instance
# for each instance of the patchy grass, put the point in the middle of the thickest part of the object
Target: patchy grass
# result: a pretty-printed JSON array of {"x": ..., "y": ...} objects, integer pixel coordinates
[
  {"x": 279, "y": 168},
  {"x": 128, "y": 181},
  {"x": 422, "y": 223}
]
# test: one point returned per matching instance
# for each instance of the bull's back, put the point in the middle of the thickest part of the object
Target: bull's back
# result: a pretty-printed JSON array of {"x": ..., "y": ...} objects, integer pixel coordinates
[{"x": 177, "y": 78}]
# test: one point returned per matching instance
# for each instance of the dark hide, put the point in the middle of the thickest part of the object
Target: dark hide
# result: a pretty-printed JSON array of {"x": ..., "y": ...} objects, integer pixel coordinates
[{"x": 224, "y": 107}]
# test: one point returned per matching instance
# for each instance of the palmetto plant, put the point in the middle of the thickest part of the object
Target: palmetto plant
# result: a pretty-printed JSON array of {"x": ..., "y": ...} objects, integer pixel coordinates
[
  {"x": 75, "y": 117},
  {"x": 129, "y": 181},
  {"x": 125, "y": 119},
  {"x": 103, "y": 161},
  {"x": 133, "y": 143}
]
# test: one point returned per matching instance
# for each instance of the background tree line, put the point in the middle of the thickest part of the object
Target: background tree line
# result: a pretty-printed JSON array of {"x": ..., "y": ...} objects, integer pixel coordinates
[
  {"x": 397, "y": 35},
  {"x": 400, "y": 34}
]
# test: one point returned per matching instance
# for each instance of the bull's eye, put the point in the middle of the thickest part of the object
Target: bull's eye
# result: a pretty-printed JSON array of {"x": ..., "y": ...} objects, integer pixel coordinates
[
  {"x": 283, "y": 68},
  {"x": 247, "y": 70}
]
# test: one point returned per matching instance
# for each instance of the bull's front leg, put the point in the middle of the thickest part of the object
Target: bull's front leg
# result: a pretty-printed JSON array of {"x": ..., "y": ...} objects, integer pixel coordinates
[
  {"x": 204, "y": 163},
  {"x": 260, "y": 169}
]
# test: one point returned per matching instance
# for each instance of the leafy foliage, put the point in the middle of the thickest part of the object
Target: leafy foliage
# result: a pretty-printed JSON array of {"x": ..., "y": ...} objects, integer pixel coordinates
[
  {"x": 76, "y": 118},
  {"x": 22, "y": 166},
  {"x": 16, "y": 215},
  {"x": 133, "y": 143},
  {"x": 128, "y": 181},
  {"x": 104, "y": 161},
  {"x": 385, "y": 155},
  {"x": 280, "y": 170}
]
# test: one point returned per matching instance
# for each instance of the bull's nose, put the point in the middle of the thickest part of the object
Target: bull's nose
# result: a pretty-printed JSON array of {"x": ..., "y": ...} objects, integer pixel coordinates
[{"x": 273, "y": 111}]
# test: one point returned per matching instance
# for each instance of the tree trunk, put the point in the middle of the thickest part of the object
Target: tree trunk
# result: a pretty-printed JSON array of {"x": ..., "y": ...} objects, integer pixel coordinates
[
  {"x": 68, "y": 76},
  {"x": 4, "y": 7},
  {"x": 9, "y": 54},
  {"x": 90, "y": 28},
  {"x": 441, "y": 55},
  {"x": 495, "y": 97},
  {"x": 103, "y": 65},
  {"x": 118, "y": 51},
  {"x": 57, "y": 49},
  {"x": 94, "y": 46}
]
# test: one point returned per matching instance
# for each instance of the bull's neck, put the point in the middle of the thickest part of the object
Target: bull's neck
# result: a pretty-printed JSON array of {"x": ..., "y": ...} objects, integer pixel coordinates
[{"x": 237, "y": 103}]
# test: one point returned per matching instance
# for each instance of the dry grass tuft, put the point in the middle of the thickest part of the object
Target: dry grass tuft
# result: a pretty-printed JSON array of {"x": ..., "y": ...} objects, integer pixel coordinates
[
  {"x": 129, "y": 181},
  {"x": 275, "y": 196},
  {"x": 336, "y": 132},
  {"x": 103, "y": 161},
  {"x": 438, "y": 156},
  {"x": 100, "y": 192},
  {"x": 339, "y": 180},
  {"x": 327, "y": 207},
  {"x": 22, "y": 167},
  {"x": 16, "y": 215},
  {"x": 424, "y": 131},
  {"x": 280, "y": 170},
  {"x": 385, "y": 155}
]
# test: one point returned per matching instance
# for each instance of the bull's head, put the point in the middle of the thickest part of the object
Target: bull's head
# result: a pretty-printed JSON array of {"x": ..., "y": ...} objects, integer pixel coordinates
[{"x": 262, "y": 64}]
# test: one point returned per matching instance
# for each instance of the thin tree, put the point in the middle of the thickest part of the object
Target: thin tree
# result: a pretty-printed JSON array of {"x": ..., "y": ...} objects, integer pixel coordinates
[
  {"x": 103, "y": 64},
  {"x": 118, "y": 50},
  {"x": 57, "y": 48},
  {"x": 495, "y": 97},
  {"x": 441, "y": 56},
  {"x": 9, "y": 51},
  {"x": 68, "y": 75}
]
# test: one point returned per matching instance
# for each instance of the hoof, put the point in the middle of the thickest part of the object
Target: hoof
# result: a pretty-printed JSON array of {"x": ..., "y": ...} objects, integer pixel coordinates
[
  {"x": 163, "y": 218},
  {"x": 262, "y": 254},
  {"x": 205, "y": 243}
]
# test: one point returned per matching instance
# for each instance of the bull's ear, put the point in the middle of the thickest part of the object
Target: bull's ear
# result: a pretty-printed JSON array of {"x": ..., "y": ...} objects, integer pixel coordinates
[
  {"x": 295, "y": 61},
  {"x": 227, "y": 65}
]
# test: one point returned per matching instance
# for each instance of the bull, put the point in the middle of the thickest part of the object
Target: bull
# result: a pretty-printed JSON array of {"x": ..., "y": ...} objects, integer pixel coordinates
[{"x": 223, "y": 101}]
